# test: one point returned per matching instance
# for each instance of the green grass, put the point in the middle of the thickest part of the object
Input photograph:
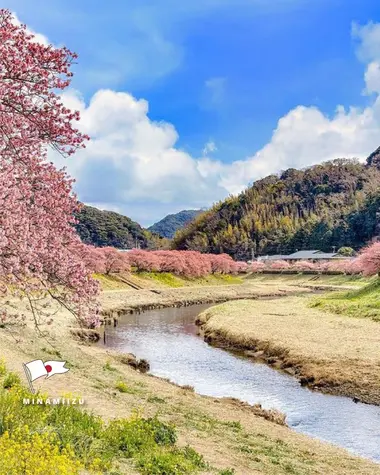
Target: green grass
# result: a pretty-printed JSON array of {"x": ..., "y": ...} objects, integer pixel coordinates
[
  {"x": 361, "y": 303},
  {"x": 165, "y": 278},
  {"x": 79, "y": 440},
  {"x": 122, "y": 387},
  {"x": 355, "y": 280},
  {"x": 107, "y": 367},
  {"x": 171, "y": 280}
]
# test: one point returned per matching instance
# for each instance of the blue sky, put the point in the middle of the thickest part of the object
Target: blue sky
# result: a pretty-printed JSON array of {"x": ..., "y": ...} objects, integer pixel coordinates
[{"x": 219, "y": 72}]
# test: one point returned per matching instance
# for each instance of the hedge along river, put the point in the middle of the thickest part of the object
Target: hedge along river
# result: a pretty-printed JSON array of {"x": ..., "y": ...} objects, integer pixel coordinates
[{"x": 168, "y": 339}]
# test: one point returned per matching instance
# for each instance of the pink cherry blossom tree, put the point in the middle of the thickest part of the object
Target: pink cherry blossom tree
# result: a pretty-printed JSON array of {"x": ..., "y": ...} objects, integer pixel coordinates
[
  {"x": 304, "y": 266},
  {"x": 144, "y": 261},
  {"x": 369, "y": 259},
  {"x": 36, "y": 199},
  {"x": 280, "y": 265},
  {"x": 256, "y": 266},
  {"x": 221, "y": 263},
  {"x": 91, "y": 256},
  {"x": 171, "y": 261},
  {"x": 114, "y": 260},
  {"x": 240, "y": 267}
]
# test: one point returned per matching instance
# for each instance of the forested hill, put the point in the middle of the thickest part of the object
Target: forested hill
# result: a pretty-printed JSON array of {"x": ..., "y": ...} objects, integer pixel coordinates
[
  {"x": 107, "y": 228},
  {"x": 172, "y": 222},
  {"x": 333, "y": 204}
]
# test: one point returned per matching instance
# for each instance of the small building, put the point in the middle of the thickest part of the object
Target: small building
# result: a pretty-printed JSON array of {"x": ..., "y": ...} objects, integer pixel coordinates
[{"x": 306, "y": 255}]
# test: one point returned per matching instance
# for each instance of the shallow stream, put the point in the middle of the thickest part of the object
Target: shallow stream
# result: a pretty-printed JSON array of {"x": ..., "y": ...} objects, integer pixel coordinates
[{"x": 168, "y": 339}]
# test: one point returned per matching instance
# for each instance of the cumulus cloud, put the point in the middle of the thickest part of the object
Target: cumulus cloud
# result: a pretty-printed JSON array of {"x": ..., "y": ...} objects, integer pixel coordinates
[
  {"x": 134, "y": 165},
  {"x": 131, "y": 160}
]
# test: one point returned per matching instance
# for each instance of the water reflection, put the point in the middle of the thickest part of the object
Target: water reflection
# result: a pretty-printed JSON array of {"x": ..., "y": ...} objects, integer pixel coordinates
[{"x": 168, "y": 339}]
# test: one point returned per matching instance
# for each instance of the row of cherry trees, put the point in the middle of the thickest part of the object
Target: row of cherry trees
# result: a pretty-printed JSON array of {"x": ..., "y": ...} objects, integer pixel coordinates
[
  {"x": 108, "y": 260},
  {"x": 366, "y": 263}
]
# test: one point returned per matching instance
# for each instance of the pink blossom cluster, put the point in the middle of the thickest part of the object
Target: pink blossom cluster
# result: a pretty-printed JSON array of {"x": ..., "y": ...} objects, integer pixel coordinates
[
  {"x": 368, "y": 260},
  {"x": 36, "y": 200},
  {"x": 186, "y": 263}
]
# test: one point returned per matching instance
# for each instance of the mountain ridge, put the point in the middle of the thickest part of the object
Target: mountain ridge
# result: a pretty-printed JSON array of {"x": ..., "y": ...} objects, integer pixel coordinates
[
  {"x": 171, "y": 223},
  {"x": 335, "y": 203}
]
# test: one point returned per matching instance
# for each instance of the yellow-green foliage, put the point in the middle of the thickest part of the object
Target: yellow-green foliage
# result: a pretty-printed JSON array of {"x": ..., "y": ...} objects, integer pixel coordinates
[
  {"x": 171, "y": 280},
  {"x": 3, "y": 368},
  {"x": 121, "y": 387},
  {"x": 28, "y": 453},
  {"x": 53, "y": 439}
]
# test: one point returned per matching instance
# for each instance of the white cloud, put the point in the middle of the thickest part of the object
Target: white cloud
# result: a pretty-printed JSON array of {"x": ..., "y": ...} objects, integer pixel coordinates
[
  {"x": 131, "y": 159},
  {"x": 368, "y": 51},
  {"x": 134, "y": 165},
  {"x": 209, "y": 147}
]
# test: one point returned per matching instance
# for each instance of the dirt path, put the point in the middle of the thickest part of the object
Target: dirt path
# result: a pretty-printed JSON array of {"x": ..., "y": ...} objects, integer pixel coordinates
[
  {"x": 227, "y": 433},
  {"x": 334, "y": 354}
]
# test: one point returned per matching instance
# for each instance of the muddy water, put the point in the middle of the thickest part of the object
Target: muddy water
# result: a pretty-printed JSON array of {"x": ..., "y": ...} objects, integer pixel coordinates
[{"x": 168, "y": 339}]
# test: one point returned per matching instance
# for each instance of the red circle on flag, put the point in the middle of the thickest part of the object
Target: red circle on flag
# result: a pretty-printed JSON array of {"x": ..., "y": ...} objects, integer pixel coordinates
[{"x": 48, "y": 368}]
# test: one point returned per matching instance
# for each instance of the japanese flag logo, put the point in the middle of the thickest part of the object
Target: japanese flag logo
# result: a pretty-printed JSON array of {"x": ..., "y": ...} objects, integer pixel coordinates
[{"x": 37, "y": 368}]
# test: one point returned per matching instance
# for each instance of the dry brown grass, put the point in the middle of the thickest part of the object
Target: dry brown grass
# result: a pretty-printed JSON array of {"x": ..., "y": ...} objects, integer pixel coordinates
[
  {"x": 336, "y": 354},
  {"x": 227, "y": 433}
]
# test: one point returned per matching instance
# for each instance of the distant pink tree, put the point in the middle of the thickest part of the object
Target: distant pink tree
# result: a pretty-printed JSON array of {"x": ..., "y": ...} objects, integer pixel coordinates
[
  {"x": 257, "y": 266},
  {"x": 114, "y": 260},
  {"x": 369, "y": 259},
  {"x": 144, "y": 261},
  {"x": 171, "y": 261},
  {"x": 240, "y": 267},
  {"x": 196, "y": 264},
  {"x": 91, "y": 256},
  {"x": 280, "y": 265},
  {"x": 304, "y": 265},
  {"x": 221, "y": 263}
]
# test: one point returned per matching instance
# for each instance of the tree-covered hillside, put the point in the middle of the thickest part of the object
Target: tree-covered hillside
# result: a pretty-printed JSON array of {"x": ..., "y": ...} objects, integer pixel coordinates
[
  {"x": 107, "y": 228},
  {"x": 332, "y": 204},
  {"x": 168, "y": 226}
]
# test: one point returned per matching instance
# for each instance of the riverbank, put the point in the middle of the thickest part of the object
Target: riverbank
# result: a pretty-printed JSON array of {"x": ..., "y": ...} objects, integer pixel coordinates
[
  {"x": 359, "y": 303},
  {"x": 228, "y": 434},
  {"x": 330, "y": 353}
]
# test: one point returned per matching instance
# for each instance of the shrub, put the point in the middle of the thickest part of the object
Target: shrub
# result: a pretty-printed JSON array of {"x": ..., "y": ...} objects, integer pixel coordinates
[
  {"x": 11, "y": 379},
  {"x": 130, "y": 436},
  {"x": 47, "y": 440},
  {"x": 34, "y": 453},
  {"x": 121, "y": 387},
  {"x": 173, "y": 462},
  {"x": 3, "y": 368}
]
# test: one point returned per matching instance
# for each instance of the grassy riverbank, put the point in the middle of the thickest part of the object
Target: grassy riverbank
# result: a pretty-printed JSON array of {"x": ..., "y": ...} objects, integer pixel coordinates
[
  {"x": 328, "y": 352},
  {"x": 163, "y": 280},
  {"x": 228, "y": 435},
  {"x": 361, "y": 303}
]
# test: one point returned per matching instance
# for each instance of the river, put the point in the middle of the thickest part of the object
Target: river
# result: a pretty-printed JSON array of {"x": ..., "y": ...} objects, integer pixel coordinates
[{"x": 168, "y": 339}]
